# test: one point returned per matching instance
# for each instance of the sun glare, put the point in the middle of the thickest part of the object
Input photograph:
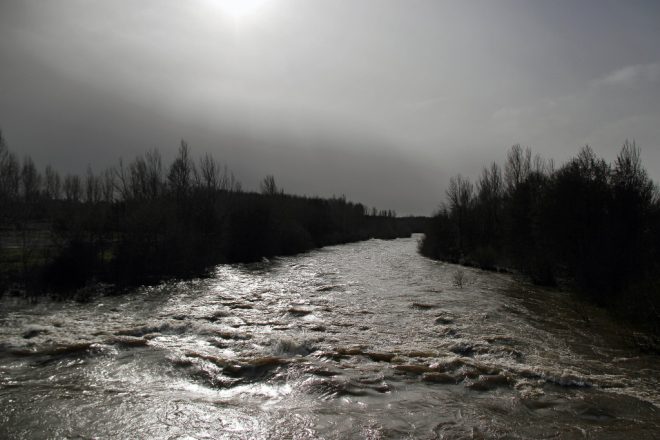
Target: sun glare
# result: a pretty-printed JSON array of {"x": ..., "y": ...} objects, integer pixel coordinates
[{"x": 237, "y": 9}]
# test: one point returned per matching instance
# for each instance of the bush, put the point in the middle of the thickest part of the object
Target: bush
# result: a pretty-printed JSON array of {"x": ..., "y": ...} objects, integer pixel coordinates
[
  {"x": 485, "y": 257},
  {"x": 76, "y": 264}
]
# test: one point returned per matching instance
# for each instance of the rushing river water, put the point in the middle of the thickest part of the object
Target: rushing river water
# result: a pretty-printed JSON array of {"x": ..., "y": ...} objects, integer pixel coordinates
[{"x": 365, "y": 340}]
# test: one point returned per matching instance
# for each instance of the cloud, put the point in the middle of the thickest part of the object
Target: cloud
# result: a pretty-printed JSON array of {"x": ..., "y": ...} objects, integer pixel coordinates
[
  {"x": 631, "y": 75},
  {"x": 602, "y": 113},
  {"x": 443, "y": 86}
]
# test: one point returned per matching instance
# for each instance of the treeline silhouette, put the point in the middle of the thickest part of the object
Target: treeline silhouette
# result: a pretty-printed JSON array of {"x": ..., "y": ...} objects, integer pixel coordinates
[
  {"x": 589, "y": 222},
  {"x": 142, "y": 221}
]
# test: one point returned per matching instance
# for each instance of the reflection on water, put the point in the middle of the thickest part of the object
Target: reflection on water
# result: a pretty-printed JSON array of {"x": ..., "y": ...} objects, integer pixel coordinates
[{"x": 366, "y": 340}]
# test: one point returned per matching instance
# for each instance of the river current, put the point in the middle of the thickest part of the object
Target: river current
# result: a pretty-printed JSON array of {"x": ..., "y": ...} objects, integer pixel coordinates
[{"x": 365, "y": 340}]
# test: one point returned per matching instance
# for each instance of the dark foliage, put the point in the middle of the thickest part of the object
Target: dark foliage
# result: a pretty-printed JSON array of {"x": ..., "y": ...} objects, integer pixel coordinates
[
  {"x": 140, "y": 222},
  {"x": 589, "y": 222},
  {"x": 73, "y": 266}
]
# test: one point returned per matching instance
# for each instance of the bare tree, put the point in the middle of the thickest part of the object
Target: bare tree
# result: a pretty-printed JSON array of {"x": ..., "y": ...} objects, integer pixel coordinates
[
  {"x": 4, "y": 160},
  {"x": 269, "y": 187},
  {"x": 138, "y": 179},
  {"x": 629, "y": 174},
  {"x": 518, "y": 166},
  {"x": 542, "y": 166},
  {"x": 3, "y": 148},
  {"x": 92, "y": 187},
  {"x": 490, "y": 186},
  {"x": 108, "y": 185},
  {"x": 154, "y": 168},
  {"x": 460, "y": 193},
  {"x": 10, "y": 173},
  {"x": 590, "y": 166},
  {"x": 72, "y": 188},
  {"x": 229, "y": 181},
  {"x": 181, "y": 171},
  {"x": 30, "y": 180},
  {"x": 52, "y": 184},
  {"x": 209, "y": 173},
  {"x": 121, "y": 181}
]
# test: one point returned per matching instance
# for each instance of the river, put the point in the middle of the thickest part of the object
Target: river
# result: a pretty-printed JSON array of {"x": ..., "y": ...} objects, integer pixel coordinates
[{"x": 365, "y": 340}]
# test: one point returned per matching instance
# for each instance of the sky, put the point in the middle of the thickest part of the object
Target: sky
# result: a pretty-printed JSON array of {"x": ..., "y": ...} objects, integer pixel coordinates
[{"x": 380, "y": 100}]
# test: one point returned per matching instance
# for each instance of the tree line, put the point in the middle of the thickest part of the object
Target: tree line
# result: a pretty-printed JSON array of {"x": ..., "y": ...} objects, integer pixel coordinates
[
  {"x": 144, "y": 220},
  {"x": 589, "y": 222}
]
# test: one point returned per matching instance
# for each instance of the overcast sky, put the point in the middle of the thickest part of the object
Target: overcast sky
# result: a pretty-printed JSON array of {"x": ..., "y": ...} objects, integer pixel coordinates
[{"x": 380, "y": 100}]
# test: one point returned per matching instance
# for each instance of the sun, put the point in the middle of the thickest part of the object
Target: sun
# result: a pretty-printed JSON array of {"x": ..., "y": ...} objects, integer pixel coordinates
[{"x": 237, "y": 9}]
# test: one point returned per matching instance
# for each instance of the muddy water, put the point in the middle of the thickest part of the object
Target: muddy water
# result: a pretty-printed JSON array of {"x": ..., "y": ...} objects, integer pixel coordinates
[{"x": 366, "y": 340}]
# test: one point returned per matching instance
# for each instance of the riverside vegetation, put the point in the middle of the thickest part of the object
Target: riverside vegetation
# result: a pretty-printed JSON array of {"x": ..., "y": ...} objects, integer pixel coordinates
[
  {"x": 142, "y": 221},
  {"x": 593, "y": 224}
]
